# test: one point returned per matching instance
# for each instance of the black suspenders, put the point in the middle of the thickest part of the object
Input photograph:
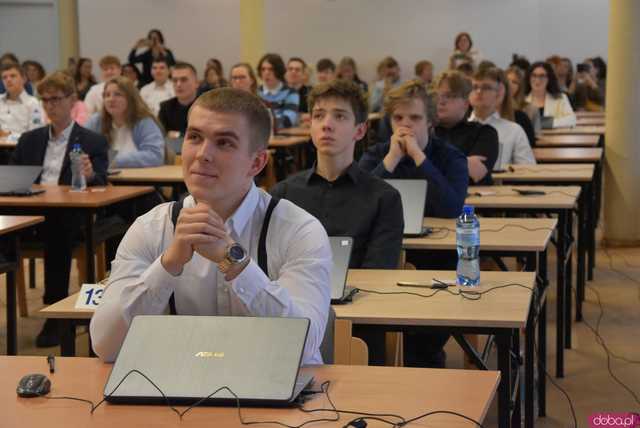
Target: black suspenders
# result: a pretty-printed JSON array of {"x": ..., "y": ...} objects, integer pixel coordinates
[{"x": 262, "y": 243}]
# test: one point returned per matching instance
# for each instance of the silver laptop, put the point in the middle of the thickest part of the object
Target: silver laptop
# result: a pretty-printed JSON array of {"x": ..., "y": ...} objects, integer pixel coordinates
[
  {"x": 341, "y": 247},
  {"x": 189, "y": 357},
  {"x": 16, "y": 180},
  {"x": 414, "y": 195}
]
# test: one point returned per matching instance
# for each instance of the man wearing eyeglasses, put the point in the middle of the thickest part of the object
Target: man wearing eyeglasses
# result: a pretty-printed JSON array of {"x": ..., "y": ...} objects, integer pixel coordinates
[
  {"x": 49, "y": 147},
  {"x": 491, "y": 102},
  {"x": 478, "y": 142}
]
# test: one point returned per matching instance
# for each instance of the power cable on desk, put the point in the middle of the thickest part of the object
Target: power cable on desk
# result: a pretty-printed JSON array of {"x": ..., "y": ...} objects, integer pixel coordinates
[
  {"x": 500, "y": 229},
  {"x": 464, "y": 293}
]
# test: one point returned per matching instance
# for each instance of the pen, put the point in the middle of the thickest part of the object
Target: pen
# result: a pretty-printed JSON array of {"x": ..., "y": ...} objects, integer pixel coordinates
[{"x": 52, "y": 363}]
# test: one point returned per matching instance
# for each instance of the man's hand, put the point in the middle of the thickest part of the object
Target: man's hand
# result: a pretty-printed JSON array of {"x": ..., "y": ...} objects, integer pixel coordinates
[
  {"x": 142, "y": 43},
  {"x": 412, "y": 148},
  {"x": 477, "y": 168},
  {"x": 87, "y": 167},
  {"x": 198, "y": 229},
  {"x": 396, "y": 151}
]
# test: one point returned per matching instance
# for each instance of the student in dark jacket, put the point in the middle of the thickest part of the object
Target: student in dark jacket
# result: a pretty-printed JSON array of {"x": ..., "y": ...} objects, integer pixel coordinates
[
  {"x": 156, "y": 49},
  {"x": 478, "y": 142},
  {"x": 49, "y": 147},
  {"x": 412, "y": 154}
]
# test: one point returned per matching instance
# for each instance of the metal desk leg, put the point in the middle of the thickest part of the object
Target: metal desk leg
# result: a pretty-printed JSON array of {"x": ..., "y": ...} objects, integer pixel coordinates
[
  {"x": 89, "y": 247},
  {"x": 529, "y": 354},
  {"x": 67, "y": 330},
  {"x": 12, "y": 322},
  {"x": 542, "y": 359},
  {"x": 582, "y": 251},
  {"x": 568, "y": 301},
  {"x": 561, "y": 248},
  {"x": 594, "y": 211},
  {"x": 503, "y": 343},
  {"x": 516, "y": 392}
]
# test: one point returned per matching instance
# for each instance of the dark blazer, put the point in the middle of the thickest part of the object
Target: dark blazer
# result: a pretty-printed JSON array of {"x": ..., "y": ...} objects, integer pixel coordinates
[{"x": 32, "y": 147}]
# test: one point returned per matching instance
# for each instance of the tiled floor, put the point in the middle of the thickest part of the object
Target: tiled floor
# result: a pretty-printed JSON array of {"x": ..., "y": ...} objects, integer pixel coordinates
[{"x": 587, "y": 379}]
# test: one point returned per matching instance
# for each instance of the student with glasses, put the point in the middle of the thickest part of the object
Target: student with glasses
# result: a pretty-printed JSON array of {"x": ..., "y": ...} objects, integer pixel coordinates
[
  {"x": 489, "y": 97},
  {"x": 544, "y": 93},
  {"x": 49, "y": 147},
  {"x": 477, "y": 141}
]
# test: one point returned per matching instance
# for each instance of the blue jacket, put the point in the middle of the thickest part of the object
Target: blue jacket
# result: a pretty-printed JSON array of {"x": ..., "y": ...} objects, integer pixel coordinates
[
  {"x": 148, "y": 139},
  {"x": 445, "y": 169}
]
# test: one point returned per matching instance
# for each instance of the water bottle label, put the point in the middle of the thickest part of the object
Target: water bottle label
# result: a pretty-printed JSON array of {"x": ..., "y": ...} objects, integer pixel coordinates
[{"x": 468, "y": 237}]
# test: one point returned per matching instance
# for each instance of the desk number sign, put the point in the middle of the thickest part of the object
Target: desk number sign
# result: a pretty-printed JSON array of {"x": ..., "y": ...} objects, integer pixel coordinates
[{"x": 90, "y": 296}]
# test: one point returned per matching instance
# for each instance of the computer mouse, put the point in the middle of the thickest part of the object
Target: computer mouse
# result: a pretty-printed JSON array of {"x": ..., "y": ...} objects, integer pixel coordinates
[{"x": 33, "y": 385}]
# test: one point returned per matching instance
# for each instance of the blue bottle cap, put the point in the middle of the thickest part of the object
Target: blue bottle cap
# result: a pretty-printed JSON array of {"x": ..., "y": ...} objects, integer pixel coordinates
[
  {"x": 76, "y": 146},
  {"x": 467, "y": 210}
]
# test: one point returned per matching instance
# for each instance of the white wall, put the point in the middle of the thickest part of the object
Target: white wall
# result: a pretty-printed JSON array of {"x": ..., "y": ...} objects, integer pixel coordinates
[
  {"x": 409, "y": 30},
  {"x": 194, "y": 30},
  {"x": 29, "y": 29}
]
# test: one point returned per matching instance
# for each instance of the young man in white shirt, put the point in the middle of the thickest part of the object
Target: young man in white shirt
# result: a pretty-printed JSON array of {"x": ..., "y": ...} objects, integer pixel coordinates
[
  {"x": 110, "y": 67},
  {"x": 161, "y": 89},
  {"x": 491, "y": 104},
  {"x": 212, "y": 262},
  {"x": 19, "y": 111}
]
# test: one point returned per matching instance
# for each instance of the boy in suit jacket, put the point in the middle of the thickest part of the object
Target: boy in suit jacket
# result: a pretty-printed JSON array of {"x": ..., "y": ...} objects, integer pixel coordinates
[{"x": 49, "y": 146}]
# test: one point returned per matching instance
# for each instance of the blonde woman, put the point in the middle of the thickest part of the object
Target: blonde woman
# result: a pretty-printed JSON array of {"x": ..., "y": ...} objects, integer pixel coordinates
[{"x": 129, "y": 126}]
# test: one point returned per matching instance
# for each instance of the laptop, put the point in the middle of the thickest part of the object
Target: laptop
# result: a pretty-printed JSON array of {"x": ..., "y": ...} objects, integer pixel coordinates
[
  {"x": 16, "y": 180},
  {"x": 414, "y": 195},
  {"x": 341, "y": 247},
  {"x": 189, "y": 357},
  {"x": 546, "y": 122}
]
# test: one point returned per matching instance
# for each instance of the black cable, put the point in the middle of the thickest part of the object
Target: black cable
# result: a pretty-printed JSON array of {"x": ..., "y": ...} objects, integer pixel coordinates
[
  {"x": 408, "y": 421},
  {"x": 600, "y": 341},
  {"x": 526, "y": 169},
  {"x": 500, "y": 229},
  {"x": 537, "y": 356},
  {"x": 464, "y": 293}
]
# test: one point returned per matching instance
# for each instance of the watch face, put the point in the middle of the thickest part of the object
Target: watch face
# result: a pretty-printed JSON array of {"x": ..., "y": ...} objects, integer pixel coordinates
[{"x": 236, "y": 253}]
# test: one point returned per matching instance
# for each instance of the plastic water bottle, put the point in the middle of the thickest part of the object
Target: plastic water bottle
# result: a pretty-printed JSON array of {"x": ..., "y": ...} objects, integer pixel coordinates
[
  {"x": 468, "y": 245},
  {"x": 78, "y": 180}
]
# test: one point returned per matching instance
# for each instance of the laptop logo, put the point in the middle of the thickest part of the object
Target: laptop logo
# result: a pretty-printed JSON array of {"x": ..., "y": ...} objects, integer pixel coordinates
[{"x": 208, "y": 354}]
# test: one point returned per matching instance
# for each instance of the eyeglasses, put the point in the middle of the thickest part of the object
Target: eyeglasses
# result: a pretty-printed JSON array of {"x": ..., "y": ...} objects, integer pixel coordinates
[
  {"x": 53, "y": 100},
  {"x": 483, "y": 88},
  {"x": 238, "y": 77},
  {"x": 540, "y": 76},
  {"x": 447, "y": 96}
]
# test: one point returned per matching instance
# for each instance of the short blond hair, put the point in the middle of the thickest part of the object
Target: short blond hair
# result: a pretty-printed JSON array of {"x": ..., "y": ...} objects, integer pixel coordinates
[
  {"x": 410, "y": 90},
  {"x": 230, "y": 100},
  {"x": 57, "y": 81}
]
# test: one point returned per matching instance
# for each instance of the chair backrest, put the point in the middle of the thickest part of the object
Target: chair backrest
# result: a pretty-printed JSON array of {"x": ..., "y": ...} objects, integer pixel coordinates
[{"x": 326, "y": 347}]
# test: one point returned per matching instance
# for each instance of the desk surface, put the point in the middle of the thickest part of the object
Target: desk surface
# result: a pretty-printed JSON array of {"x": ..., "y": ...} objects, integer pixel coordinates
[
  {"x": 290, "y": 140},
  {"x": 580, "y": 114},
  {"x": 568, "y": 154},
  {"x": 61, "y": 197},
  {"x": 165, "y": 173},
  {"x": 11, "y": 223},
  {"x": 504, "y": 308},
  {"x": 6, "y": 144},
  {"x": 568, "y": 141},
  {"x": 595, "y": 130},
  {"x": 590, "y": 121},
  {"x": 65, "y": 309},
  {"x": 405, "y": 391},
  {"x": 547, "y": 173},
  {"x": 556, "y": 197},
  {"x": 496, "y": 234}
]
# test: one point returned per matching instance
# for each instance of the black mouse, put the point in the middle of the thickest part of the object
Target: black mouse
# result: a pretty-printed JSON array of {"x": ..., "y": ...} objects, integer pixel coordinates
[{"x": 33, "y": 385}]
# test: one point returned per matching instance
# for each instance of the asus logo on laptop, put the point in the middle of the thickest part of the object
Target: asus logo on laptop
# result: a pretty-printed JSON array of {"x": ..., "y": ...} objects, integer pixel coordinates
[{"x": 207, "y": 354}]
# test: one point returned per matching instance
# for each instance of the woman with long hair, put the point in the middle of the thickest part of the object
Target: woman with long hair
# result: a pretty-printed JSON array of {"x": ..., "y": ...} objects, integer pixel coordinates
[
  {"x": 544, "y": 93},
  {"x": 129, "y": 126}
]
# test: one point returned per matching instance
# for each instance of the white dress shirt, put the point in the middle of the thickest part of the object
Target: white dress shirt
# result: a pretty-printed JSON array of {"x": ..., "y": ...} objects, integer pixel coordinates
[
  {"x": 153, "y": 94},
  {"x": 514, "y": 145},
  {"x": 93, "y": 99},
  {"x": 20, "y": 115},
  {"x": 299, "y": 264},
  {"x": 122, "y": 139},
  {"x": 54, "y": 156}
]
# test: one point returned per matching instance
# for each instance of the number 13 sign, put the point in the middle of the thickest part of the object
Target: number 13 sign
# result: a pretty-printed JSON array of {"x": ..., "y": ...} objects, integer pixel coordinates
[{"x": 90, "y": 296}]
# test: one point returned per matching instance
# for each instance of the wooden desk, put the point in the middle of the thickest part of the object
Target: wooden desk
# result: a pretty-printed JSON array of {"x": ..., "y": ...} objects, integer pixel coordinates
[
  {"x": 585, "y": 130},
  {"x": 165, "y": 175},
  {"x": 580, "y": 114},
  {"x": 68, "y": 319},
  {"x": 298, "y": 131},
  {"x": 8, "y": 226},
  {"x": 61, "y": 198},
  {"x": 590, "y": 121},
  {"x": 7, "y": 145},
  {"x": 287, "y": 141},
  {"x": 405, "y": 391},
  {"x": 497, "y": 313},
  {"x": 568, "y": 141},
  {"x": 497, "y": 235},
  {"x": 568, "y": 154},
  {"x": 558, "y": 200},
  {"x": 547, "y": 173}
]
